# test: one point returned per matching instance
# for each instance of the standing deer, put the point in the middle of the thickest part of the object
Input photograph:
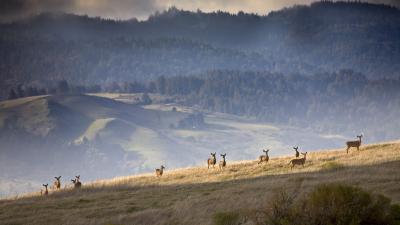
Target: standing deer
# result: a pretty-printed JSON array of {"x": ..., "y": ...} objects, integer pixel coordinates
[
  {"x": 222, "y": 163},
  {"x": 356, "y": 144},
  {"x": 159, "y": 172},
  {"x": 212, "y": 161},
  {"x": 297, "y": 152},
  {"x": 301, "y": 161},
  {"x": 76, "y": 182},
  {"x": 57, "y": 183},
  {"x": 264, "y": 158},
  {"x": 46, "y": 191}
]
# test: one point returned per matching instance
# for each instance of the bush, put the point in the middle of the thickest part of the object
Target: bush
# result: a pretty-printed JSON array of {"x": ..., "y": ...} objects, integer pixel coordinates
[
  {"x": 226, "y": 218},
  {"x": 334, "y": 204},
  {"x": 342, "y": 205},
  {"x": 395, "y": 212}
]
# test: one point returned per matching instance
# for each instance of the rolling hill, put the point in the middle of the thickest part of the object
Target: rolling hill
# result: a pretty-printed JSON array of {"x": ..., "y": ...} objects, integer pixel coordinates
[
  {"x": 99, "y": 137},
  {"x": 196, "y": 195}
]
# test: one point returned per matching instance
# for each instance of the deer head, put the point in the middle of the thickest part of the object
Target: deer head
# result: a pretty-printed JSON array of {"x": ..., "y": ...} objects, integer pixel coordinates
[
  {"x": 304, "y": 154},
  {"x": 45, "y": 185},
  {"x": 223, "y": 156},
  {"x": 162, "y": 167},
  {"x": 73, "y": 181},
  {"x": 57, "y": 178},
  {"x": 266, "y": 151},
  {"x": 78, "y": 177}
]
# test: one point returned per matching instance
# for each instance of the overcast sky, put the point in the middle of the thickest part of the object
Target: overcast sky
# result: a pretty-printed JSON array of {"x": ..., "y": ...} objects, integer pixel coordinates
[{"x": 141, "y": 9}]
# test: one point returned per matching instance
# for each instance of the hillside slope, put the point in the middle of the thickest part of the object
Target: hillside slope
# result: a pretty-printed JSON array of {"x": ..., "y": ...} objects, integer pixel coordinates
[
  {"x": 46, "y": 136},
  {"x": 195, "y": 195}
]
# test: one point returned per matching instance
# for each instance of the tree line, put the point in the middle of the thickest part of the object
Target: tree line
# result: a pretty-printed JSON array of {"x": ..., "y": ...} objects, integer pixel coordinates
[{"x": 344, "y": 102}]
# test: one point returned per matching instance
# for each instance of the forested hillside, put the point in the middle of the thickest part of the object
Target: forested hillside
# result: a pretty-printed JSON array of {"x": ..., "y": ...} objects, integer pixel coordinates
[
  {"x": 344, "y": 102},
  {"x": 298, "y": 40}
]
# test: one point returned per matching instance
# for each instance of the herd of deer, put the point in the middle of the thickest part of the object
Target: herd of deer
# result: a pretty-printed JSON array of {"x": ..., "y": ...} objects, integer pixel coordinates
[
  {"x": 57, "y": 184},
  {"x": 212, "y": 161}
]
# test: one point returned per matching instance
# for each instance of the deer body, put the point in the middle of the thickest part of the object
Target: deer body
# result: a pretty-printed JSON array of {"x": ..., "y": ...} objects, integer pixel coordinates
[
  {"x": 355, "y": 144},
  {"x": 159, "y": 172},
  {"x": 301, "y": 161},
  {"x": 212, "y": 161},
  {"x": 222, "y": 163},
  {"x": 264, "y": 158},
  {"x": 57, "y": 183}
]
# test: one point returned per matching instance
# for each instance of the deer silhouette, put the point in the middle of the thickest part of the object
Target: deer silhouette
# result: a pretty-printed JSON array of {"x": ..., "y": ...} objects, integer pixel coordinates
[
  {"x": 212, "y": 161},
  {"x": 222, "y": 163},
  {"x": 57, "y": 183},
  {"x": 297, "y": 152},
  {"x": 355, "y": 144},
  {"x": 76, "y": 182},
  {"x": 301, "y": 161},
  {"x": 159, "y": 172},
  {"x": 46, "y": 191},
  {"x": 264, "y": 158}
]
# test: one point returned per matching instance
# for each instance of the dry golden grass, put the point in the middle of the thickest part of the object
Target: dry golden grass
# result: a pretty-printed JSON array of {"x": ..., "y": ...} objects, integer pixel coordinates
[{"x": 194, "y": 195}]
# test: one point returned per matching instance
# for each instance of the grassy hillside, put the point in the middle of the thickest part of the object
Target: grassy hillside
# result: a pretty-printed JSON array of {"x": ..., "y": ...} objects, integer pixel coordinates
[
  {"x": 106, "y": 135},
  {"x": 195, "y": 195}
]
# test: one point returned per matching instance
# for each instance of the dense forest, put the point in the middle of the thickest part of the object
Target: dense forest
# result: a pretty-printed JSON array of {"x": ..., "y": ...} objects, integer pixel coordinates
[
  {"x": 322, "y": 37},
  {"x": 344, "y": 102}
]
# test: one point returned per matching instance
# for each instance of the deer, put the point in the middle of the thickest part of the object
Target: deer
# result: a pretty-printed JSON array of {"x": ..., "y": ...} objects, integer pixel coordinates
[
  {"x": 46, "y": 191},
  {"x": 301, "y": 161},
  {"x": 76, "y": 182},
  {"x": 355, "y": 144},
  {"x": 57, "y": 183},
  {"x": 222, "y": 163},
  {"x": 159, "y": 172},
  {"x": 297, "y": 152},
  {"x": 212, "y": 161},
  {"x": 264, "y": 158}
]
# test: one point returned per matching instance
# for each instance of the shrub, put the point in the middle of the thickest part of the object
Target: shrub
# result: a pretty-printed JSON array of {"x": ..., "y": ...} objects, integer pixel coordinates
[
  {"x": 226, "y": 218},
  {"x": 341, "y": 205},
  {"x": 281, "y": 209},
  {"x": 395, "y": 212},
  {"x": 334, "y": 204}
]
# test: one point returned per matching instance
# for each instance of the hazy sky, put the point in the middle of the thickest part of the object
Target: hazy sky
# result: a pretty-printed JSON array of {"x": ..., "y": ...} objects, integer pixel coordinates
[{"x": 141, "y": 9}]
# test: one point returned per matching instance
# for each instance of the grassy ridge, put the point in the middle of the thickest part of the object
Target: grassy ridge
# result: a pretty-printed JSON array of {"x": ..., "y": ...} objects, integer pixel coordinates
[{"x": 196, "y": 195}]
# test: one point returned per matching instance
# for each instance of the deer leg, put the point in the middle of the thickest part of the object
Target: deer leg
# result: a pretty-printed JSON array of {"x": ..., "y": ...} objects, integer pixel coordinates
[
  {"x": 347, "y": 150},
  {"x": 358, "y": 148}
]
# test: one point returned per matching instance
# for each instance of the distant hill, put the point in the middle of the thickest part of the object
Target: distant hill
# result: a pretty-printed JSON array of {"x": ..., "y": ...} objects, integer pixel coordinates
[
  {"x": 243, "y": 191},
  {"x": 324, "y": 36}
]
